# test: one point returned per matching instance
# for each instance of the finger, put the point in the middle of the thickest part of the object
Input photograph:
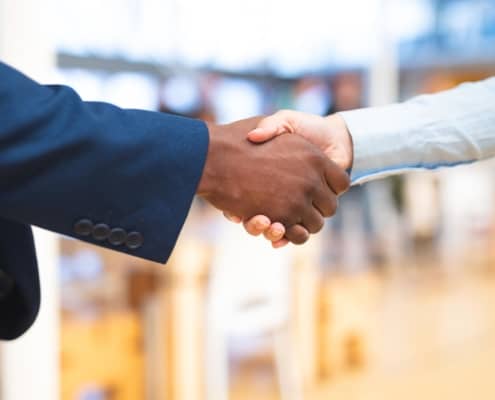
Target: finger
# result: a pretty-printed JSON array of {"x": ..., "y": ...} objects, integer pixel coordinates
[
  {"x": 337, "y": 178},
  {"x": 297, "y": 234},
  {"x": 326, "y": 202},
  {"x": 257, "y": 225},
  {"x": 279, "y": 244},
  {"x": 232, "y": 218},
  {"x": 260, "y": 135},
  {"x": 270, "y": 127},
  {"x": 275, "y": 233},
  {"x": 313, "y": 221}
]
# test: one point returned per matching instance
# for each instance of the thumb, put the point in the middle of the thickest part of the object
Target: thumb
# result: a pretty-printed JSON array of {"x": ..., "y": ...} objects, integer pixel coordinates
[
  {"x": 260, "y": 135},
  {"x": 269, "y": 128}
]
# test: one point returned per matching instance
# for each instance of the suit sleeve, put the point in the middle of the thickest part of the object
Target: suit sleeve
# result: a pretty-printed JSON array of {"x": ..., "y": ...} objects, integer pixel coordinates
[{"x": 122, "y": 179}]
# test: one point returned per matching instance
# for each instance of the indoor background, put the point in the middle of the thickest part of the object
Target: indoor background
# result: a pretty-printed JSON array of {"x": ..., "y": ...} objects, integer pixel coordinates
[{"x": 395, "y": 299}]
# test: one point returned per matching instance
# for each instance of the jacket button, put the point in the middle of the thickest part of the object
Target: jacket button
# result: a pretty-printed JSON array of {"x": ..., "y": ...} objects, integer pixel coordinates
[
  {"x": 101, "y": 231},
  {"x": 117, "y": 236},
  {"x": 134, "y": 240},
  {"x": 6, "y": 284},
  {"x": 83, "y": 227}
]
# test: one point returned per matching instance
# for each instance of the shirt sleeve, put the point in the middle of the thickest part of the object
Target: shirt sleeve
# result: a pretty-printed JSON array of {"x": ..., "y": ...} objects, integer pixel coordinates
[{"x": 427, "y": 132}]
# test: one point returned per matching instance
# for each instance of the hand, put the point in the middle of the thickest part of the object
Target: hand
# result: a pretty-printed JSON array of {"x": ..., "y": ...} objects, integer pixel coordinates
[
  {"x": 287, "y": 179},
  {"x": 330, "y": 134}
]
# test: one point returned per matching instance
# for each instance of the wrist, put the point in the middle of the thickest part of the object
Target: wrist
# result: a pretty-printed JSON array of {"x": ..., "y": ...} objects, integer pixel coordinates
[
  {"x": 206, "y": 184},
  {"x": 343, "y": 147}
]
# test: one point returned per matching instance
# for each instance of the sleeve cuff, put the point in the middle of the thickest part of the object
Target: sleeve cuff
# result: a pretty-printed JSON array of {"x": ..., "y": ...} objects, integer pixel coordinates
[{"x": 383, "y": 142}]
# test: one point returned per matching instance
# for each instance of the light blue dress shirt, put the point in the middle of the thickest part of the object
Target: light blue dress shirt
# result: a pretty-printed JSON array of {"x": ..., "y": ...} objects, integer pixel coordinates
[{"x": 427, "y": 132}]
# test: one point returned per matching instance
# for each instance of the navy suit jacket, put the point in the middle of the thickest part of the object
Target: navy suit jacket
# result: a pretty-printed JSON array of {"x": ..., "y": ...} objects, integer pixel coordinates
[{"x": 122, "y": 179}]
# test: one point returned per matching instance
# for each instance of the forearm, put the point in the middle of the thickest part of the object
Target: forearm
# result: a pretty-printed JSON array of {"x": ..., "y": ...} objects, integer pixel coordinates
[{"x": 427, "y": 132}]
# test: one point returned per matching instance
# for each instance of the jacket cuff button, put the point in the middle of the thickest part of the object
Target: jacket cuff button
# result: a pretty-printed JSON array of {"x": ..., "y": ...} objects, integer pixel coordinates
[
  {"x": 83, "y": 227},
  {"x": 101, "y": 232},
  {"x": 134, "y": 240},
  {"x": 117, "y": 236}
]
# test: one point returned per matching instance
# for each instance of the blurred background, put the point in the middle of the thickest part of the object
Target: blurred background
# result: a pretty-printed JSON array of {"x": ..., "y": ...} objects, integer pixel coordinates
[{"x": 395, "y": 299}]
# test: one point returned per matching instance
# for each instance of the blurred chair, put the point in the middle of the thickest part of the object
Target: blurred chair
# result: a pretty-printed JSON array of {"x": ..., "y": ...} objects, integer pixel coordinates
[{"x": 249, "y": 296}]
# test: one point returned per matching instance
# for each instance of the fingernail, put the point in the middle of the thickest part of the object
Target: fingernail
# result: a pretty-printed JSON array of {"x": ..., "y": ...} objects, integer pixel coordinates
[{"x": 261, "y": 225}]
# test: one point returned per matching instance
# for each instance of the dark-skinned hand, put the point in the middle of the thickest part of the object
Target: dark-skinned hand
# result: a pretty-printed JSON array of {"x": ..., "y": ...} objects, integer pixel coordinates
[{"x": 287, "y": 179}]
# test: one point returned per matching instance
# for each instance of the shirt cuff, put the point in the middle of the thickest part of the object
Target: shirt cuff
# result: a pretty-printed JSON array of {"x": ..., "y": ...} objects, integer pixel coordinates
[{"x": 383, "y": 142}]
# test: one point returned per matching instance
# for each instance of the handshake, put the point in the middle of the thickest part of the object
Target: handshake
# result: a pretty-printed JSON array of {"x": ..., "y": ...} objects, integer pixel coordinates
[{"x": 280, "y": 175}]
